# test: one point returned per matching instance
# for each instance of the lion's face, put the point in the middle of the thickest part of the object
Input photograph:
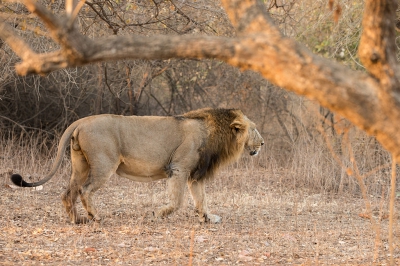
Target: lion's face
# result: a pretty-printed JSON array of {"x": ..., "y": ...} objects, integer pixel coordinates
[
  {"x": 254, "y": 140},
  {"x": 247, "y": 133}
]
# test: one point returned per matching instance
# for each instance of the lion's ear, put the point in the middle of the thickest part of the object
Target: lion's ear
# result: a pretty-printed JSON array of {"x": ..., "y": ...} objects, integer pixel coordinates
[{"x": 237, "y": 127}]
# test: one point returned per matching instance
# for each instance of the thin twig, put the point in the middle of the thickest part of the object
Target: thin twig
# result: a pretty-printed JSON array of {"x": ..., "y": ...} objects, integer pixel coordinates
[
  {"x": 354, "y": 171},
  {"x": 191, "y": 248},
  {"x": 391, "y": 210},
  {"x": 75, "y": 13},
  {"x": 19, "y": 125}
]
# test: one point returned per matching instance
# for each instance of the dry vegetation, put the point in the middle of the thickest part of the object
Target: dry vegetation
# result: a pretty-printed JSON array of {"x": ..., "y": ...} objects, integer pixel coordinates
[
  {"x": 302, "y": 211},
  {"x": 302, "y": 201}
]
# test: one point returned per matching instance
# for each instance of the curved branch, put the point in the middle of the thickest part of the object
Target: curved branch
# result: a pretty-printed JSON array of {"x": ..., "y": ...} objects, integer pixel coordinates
[
  {"x": 17, "y": 44},
  {"x": 62, "y": 31}
]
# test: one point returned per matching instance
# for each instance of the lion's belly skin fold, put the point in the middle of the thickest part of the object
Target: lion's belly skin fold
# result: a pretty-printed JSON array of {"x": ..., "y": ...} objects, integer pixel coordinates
[
  {"x": 142, "y": 178},
  {"x": 141, "y": 171}
]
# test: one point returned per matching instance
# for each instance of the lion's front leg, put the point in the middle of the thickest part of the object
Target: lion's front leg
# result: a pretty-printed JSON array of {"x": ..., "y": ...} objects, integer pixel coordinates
[
  {"x": 197, "y": 189},
  {"x": 176, "y": 191}
]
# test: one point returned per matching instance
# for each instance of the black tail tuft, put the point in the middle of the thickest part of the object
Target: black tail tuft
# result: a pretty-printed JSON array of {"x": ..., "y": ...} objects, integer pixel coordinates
[{"x": 17, "y": 180}]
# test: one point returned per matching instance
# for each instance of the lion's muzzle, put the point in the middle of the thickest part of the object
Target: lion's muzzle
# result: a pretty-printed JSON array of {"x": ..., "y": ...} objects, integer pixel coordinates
[{"x": 252, "y": 153}]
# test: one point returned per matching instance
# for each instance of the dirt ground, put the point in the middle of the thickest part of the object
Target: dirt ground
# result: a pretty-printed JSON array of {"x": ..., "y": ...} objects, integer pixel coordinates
[{"x": 263, "y": 224}]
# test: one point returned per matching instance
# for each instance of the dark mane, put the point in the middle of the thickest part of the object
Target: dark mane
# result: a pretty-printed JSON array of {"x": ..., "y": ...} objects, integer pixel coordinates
[{"x": 221, "y": 145}]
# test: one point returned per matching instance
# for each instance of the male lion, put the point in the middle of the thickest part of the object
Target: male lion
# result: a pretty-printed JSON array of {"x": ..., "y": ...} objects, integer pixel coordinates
[{"x": 185, "y": 149}]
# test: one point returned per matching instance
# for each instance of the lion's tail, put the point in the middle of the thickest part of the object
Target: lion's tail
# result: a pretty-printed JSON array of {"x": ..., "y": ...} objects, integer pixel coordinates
[{"x": 62, "y": 146}]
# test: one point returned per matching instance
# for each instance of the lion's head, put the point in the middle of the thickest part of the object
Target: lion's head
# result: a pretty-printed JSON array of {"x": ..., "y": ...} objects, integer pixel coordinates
[
  {"x": 246, "y": 134},
  {"x": 254, "y": 140},
  {"x": 229, "y": 133}
]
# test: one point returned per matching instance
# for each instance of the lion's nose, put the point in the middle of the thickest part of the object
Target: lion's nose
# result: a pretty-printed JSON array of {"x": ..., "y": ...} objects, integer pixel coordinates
[
  {"x": 262, "y": 143},
  {"x": 253, "y": 153}
]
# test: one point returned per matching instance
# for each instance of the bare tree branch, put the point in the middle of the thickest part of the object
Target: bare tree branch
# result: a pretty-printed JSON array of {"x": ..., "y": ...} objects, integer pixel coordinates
[{"x": 17, "y": 44}]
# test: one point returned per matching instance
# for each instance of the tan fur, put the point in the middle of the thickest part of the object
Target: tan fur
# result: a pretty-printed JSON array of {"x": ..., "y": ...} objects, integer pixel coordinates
[{"x": 184, "y": 149}]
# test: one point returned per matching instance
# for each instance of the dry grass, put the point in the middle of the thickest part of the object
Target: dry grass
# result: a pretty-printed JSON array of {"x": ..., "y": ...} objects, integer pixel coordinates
[{"x": 271, "y": 215}]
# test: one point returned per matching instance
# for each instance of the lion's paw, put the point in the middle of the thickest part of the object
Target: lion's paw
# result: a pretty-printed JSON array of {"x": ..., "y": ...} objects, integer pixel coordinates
[
  {"x": 80, "y": 220},
  {"x": 214, "y": 219},
  {"x": 155, "y": 217}
]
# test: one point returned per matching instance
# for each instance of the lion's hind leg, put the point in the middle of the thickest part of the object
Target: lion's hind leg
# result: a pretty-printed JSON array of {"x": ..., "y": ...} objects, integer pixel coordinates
[
  {"x": 69, "y": 198},
  {"x": 197, "y": 190},
  {"x": 80, "y": 171},
  {"x": 98, "y": 176}
]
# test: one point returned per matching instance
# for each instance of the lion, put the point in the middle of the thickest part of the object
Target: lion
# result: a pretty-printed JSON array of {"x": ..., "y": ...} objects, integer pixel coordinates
[{"x": 188, "y": 148}]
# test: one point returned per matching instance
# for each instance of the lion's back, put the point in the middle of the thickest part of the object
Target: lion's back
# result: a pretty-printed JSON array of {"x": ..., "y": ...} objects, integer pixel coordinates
[{"x": 144, "y": 136}]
